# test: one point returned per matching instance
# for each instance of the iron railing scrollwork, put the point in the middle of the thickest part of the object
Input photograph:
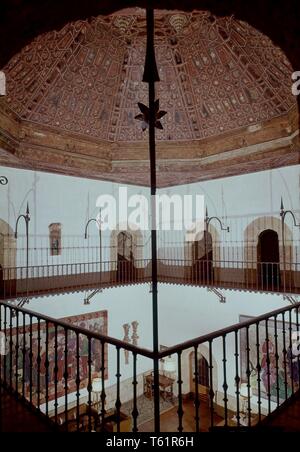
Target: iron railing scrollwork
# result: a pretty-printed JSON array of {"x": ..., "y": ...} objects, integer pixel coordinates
[{"x": 3, "y": 180}]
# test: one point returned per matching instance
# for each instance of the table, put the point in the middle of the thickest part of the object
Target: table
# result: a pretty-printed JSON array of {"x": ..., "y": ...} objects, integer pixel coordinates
[{"x": 165, "y": 386}]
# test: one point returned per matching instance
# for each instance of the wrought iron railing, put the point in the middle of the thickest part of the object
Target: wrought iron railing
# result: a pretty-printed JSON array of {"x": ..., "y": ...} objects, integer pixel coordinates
[
  {"x": 258, "y": 368},
  {"x": 58, "y": 278},
  {"x": 71, "y": 249},
  {"x": 239, "y": 274},
  {"x": 242, "y": 275},
  {"x": 171, "y": 245},
  {"x": 230, "y": 378},
  {"x": 52, "y": 364}
]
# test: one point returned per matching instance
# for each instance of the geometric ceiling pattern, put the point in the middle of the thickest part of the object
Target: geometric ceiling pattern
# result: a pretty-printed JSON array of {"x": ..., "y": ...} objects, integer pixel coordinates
[{"x": 217, "y": 75}]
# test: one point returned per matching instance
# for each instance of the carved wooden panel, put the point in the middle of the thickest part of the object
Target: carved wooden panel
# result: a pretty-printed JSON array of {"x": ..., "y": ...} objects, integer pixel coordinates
[{"x": 217, "y": 75}]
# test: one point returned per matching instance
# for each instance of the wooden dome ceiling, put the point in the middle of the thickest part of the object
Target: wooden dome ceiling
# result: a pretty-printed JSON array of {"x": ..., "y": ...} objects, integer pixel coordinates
[{"x": 72, "y": 97}]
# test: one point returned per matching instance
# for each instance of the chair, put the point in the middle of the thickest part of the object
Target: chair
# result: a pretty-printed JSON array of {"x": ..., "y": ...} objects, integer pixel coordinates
[{"x": 148, "y": 385}]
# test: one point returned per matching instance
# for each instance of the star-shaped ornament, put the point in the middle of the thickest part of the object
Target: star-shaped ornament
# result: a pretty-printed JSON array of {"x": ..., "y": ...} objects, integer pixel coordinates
[{"x": 144, "y": 115}]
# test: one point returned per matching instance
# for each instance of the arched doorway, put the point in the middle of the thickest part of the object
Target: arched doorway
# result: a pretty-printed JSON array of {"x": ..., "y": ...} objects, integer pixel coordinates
[
  {"x": 268, "y": 271},
  {"x": 202, "y": 376},
  {"x": 125, "y": 257},
  {"x": 202, "y": 253}
]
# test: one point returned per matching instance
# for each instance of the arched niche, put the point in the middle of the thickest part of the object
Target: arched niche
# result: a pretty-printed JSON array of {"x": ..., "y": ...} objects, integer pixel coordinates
[
  {"x": 268, "y": 260},
  {"x": 187, "y": 370},
  {"x": 189, "y": 247},
  {"x": 55, "y": 242},
  {"x": 203, "y": 377},
  {"x": 251, "y": 236},
  {"x": 8, "y": 246},
  {"x": 194, "y": 245},
  {"x": 136, "y": 244}
]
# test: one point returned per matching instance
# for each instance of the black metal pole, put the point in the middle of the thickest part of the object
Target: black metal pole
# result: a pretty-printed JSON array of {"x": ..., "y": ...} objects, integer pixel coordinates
[
  {"x": 150, "y": 77},
  {"x": 283, "y": 214},
  {"x": 27, "y": 254},
  {"x": 26, "y": 218},
  {"x": 99, "y": 223},
  {"x": 283, "y": 250},
  {"x": 100, "y": 244}
]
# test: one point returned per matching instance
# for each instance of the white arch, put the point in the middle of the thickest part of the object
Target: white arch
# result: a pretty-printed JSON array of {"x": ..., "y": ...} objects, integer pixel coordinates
[
  {"x": 203, "y": 350},
  {"x": 252, "y": 232},
  {"x": 8, "y": 246},
  {"x": 137, "y": 244},
  {"x": 188, "y": 246}
]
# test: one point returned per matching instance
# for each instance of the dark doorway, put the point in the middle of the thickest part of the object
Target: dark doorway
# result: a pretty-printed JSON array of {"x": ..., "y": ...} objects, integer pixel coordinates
[
  {"x": 203, "y": 372},
  {"x": 203, "y": 260},
  {"x": 268, "y": 260},
  {"x": 126, "y": 268},
  {"x": 203, "y": 380}
]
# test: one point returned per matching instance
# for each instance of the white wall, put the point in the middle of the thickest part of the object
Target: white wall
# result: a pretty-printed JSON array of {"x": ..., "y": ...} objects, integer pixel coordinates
[
  {"x": 249, "y": 194},
  {"x": 71, "y": 201},
  {"x": 190, "y": 312},
  {"x": 56, "y": 199}
]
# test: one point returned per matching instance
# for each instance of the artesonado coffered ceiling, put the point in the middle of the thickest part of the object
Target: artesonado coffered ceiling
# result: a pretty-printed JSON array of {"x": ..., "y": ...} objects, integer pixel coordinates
[{"x": 72, "y": 98}]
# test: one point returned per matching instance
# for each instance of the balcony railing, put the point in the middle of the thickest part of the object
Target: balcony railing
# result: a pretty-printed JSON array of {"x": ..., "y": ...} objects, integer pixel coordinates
[
  {"x": 241, "y": 275},
  {"x": 232, "y": 274},
  {"x": 231, "y": 378},
  {"x": 42, "y": 280},
  {"x": 171, "y": 245}
]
